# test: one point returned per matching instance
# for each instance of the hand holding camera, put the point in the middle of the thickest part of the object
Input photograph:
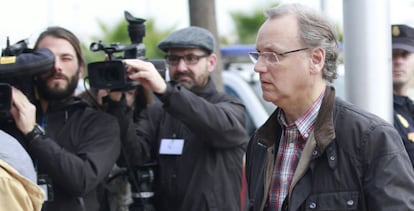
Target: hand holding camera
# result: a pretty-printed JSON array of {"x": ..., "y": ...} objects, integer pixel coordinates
[
  {"x": 18, "y": 67},
  {"x": 146, "y": 74},
  {"x": 23, "y": 112}
]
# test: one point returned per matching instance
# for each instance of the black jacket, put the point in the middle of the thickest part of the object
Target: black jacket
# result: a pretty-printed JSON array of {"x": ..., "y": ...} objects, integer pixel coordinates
[
  {"x": 358, "y": 163},
  {"x": 207, "y": 175},
  {"x": 79, "y": 150},
  {"x": 404, "y": 122}
]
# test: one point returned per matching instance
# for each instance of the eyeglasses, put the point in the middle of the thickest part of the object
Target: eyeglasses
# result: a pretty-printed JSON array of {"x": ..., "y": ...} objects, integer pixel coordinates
[
  {"x": 270, "y": 57},
  {"x": 189, "y": 59}
]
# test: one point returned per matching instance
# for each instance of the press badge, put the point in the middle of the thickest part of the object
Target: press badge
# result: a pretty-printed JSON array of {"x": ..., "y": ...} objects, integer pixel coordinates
[{"x": 171, "y": 146}]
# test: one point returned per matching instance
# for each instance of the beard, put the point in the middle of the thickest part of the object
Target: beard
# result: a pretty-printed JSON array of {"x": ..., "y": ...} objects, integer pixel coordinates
[
  {"x": 189, "y": 84},
  {"x": 193, "y": 84},
  {"x": 55, "y": 93}
]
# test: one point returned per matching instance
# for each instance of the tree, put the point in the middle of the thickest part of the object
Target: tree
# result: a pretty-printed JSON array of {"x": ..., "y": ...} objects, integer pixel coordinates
[
  {"x": 247, "y": 25},
  {"x": 203, "y": 14}
]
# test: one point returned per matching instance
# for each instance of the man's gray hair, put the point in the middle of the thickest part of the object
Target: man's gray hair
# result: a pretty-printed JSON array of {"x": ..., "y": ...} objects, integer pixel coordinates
[{"x": 315, "y": 30}]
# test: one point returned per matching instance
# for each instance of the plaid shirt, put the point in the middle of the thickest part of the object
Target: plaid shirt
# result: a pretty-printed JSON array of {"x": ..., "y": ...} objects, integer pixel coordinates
[{"x": 291, "y": 144}]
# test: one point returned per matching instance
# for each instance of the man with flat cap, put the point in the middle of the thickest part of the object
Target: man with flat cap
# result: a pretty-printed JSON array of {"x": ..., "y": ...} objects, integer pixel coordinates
[
  {"x": 402, "y": 73},
  {"x": 195, "y": 133}
]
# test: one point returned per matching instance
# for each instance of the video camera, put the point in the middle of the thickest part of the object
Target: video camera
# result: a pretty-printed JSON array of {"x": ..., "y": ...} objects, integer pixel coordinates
[
  {"x": 112, "y": 74},
  {"x": 18, "y": 66}
]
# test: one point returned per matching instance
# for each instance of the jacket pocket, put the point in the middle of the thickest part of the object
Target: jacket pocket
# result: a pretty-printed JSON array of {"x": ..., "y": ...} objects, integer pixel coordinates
[{"x": 333, "y": 201}]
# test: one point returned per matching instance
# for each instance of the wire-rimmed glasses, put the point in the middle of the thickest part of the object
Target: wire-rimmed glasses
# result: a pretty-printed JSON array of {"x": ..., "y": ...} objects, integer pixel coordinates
[{"x": 270, "y": 57}]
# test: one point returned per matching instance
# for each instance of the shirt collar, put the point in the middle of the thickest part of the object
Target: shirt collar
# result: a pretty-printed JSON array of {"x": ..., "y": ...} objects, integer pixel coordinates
[{"x": 306, "y": 122}]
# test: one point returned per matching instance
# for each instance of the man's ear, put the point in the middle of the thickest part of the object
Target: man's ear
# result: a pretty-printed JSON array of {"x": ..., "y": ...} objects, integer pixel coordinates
[
  {"x": 317, "y": 59},
  {"x": 81, "y": 71},
  {"x": 212, "y": 62}
]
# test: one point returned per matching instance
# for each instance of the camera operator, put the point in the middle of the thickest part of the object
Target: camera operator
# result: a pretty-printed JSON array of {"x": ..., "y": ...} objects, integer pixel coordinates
[
  {"x": 73, "y": 146},
  {"x": 125, "y": 105},
  {"x": 17, "y": 177},
  {"x": 196, "y": 134}
]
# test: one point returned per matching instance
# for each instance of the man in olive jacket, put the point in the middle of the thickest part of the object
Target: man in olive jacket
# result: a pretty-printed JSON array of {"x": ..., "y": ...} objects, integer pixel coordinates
[
  {"x": 196, "y": 134},
  {"x": 316, "y": 151}
]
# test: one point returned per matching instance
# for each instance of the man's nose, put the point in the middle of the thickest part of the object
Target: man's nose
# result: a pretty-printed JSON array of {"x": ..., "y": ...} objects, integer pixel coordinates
[
  {"x": 57, "y": 66},
  {"x": 181, "y": 66}
]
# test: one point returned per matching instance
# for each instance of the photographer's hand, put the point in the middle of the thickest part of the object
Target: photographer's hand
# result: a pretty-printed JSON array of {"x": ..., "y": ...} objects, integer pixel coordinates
[
  {"x": 23, "y": 112},
  {"x": 146, "y": 74}
]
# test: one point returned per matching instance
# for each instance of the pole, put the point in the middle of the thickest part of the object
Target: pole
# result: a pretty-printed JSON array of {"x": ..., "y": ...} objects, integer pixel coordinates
[{"x": 367, "y": 55}]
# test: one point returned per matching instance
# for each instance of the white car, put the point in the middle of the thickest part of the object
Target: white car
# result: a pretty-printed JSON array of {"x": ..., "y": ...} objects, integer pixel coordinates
[{"x": 256, "y": 112}]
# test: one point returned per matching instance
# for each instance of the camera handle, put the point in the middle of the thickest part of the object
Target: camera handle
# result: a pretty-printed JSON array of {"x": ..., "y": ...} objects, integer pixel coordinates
[{"x": 110, "y": 49}]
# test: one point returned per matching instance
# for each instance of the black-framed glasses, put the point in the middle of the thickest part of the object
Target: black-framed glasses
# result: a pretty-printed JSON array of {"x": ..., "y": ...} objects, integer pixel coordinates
[
  {"x": 189, "y": 59},
  {"x": 271, "y": 57}
]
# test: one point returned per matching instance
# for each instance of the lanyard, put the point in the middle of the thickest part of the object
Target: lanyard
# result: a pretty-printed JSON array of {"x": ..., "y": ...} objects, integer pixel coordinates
[{"x": 43, "y": 122}]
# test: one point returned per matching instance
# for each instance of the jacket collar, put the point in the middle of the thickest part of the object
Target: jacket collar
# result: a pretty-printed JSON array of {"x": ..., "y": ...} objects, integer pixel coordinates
[
  {"x": 208, "y": 90},
  {"x": 401, "y": 100},
  {"x": 66, "y": 104},
  {"x": 324, "y": 130}
]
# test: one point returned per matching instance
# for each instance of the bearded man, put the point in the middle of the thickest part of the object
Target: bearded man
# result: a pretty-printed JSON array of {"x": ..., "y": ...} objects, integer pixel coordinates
[{"x": 73, "y": 146}]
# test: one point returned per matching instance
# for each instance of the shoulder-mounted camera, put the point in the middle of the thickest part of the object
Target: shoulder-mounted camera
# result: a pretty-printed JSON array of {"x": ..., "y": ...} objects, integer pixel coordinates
[{"x": 18, "y": 66}]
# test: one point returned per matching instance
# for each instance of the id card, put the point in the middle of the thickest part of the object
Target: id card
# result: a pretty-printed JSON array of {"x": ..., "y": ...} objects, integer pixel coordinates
[
  {"x": 44, "y": 187},
  {"x": 171, "y": 146}
]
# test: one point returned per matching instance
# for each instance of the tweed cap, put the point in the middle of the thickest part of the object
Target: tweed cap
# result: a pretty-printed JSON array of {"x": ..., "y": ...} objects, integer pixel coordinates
[
  {"x": 402, "y": 37},
  {"x": 190, "y": 37}
]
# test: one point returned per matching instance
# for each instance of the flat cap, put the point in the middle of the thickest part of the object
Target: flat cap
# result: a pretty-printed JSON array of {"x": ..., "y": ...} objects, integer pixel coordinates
[
  {"x": 190, "y": 37},
  {"x": 402, "y": 37}
]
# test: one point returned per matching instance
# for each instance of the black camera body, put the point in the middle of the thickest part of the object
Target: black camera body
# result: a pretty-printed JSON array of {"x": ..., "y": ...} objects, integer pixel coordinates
[
  {"x": 18, "y": 67},
  {"x": 109, "y": 75},
  {"x": 112, "y": 74},
  {"x": 5, "y": 97}
]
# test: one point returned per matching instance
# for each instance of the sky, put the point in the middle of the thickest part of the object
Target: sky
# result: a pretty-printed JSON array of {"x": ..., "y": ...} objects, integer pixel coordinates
[{"x": 24, "y": 19}]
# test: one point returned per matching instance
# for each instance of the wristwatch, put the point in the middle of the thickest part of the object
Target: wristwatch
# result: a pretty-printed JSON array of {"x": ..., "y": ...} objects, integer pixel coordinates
[{"x": 37, "y": 132}]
